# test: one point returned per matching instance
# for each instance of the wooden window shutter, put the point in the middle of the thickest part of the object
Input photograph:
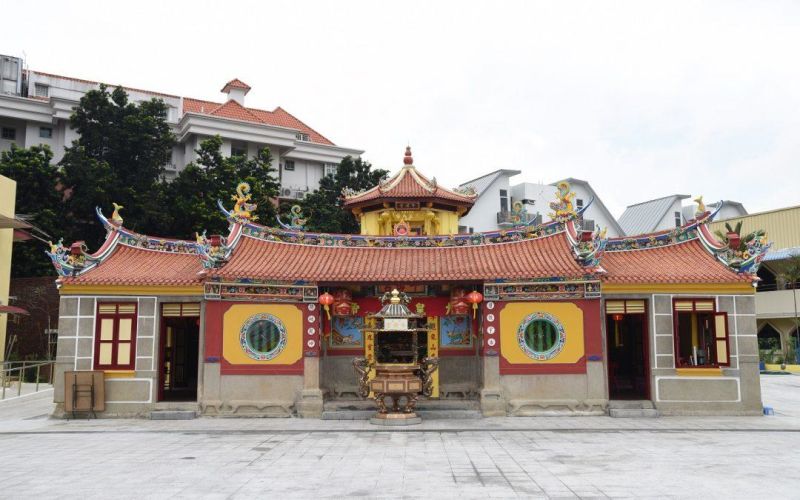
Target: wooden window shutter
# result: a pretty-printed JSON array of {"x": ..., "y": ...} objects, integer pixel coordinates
[
  {"x": 721, "y": 337},
  {"x": 615, "y": 306},
  {"x": 624, "y": 306},
  {"x": 181, "y": 310}
]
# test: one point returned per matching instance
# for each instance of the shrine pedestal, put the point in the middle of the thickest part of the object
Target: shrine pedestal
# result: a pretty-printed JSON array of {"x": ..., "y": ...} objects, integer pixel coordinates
[{"x": 398, "y": 383}]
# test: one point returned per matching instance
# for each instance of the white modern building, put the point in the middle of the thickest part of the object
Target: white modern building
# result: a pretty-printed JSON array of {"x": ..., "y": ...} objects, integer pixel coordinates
[
  {"x": 494, "y": 207},
  {"x": 35, "y": 108},
  {"x": 670, "y": 212}
]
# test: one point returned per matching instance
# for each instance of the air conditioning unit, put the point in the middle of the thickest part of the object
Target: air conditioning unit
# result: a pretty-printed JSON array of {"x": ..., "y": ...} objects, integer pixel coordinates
[
  {"x": 286, "y": 193},
  {"x": 299, "y": 195},
  {"x": 587, "y": 225}
]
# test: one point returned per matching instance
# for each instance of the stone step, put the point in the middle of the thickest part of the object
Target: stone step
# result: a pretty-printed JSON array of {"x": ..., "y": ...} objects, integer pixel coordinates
[
  {"x": 633, "y": 413},
  {"x": 423, "y": 404},
  {"x": 176, "y": 405},
  {"x": 173, "y": 414},
  {"x": 630, "y": 405},
  {"x": 425, "y": 414}
]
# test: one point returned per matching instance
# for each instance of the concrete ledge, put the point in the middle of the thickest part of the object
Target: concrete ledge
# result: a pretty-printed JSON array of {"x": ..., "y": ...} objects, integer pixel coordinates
[
  {"x": 395, "y": 422},
  {"x": 173, "y": 415},
  {"x": 544, "y": 407},
  {"x": 633, "y": 413}
]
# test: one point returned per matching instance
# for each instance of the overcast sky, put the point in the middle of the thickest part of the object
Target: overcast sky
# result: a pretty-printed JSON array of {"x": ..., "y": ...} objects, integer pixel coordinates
[{"x": 641, "y": 99}]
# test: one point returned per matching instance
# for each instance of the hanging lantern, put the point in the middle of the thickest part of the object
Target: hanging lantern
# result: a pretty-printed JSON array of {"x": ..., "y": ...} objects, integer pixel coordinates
[
  {"x": 474, "y": 297},
  {"x": 617, "y": 317},
  {"x": 326, "y": 300}
]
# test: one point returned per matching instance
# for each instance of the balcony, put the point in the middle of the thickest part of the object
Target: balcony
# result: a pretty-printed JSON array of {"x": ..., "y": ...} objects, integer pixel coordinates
[
  {"x": 513, "y": 219},
  {"x": 776, "y": 303}
]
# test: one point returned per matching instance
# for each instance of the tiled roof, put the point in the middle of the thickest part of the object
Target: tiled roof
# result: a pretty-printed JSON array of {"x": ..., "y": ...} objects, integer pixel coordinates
[
  {"x": 236, "y": 111},
  {"x": 535, "y": 258},
  {"x": 408, "y": 183},
  {"x": 236, "y": 84},
  {"x": 135, "y": 266},
  {"x": 686, "y": 262},
  {"x": 279, "y": 117}
]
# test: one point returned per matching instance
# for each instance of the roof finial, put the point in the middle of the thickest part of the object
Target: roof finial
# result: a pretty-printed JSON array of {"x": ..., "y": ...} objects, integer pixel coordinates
[{"x": 408, "y": 160}]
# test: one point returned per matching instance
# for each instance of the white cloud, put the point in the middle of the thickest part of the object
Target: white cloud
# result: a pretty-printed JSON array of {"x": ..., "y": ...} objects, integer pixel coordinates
[{"x": 640, "y": 98}]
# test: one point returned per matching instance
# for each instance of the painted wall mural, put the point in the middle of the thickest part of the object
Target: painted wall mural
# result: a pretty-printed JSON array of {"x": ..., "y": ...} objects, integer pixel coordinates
[
  {"x": 455, "y": 330},
  {"x": 346, "y": 332}
]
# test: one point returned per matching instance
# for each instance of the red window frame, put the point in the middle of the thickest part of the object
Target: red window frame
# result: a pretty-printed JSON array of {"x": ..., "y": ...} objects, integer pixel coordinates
[
  {"x": 115, "y": 341},
  {"x": 718, "y": 337}
]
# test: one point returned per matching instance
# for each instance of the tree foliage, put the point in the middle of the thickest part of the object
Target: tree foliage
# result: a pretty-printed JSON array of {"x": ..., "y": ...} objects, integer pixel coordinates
[
  {"x": 38, "y": 200},
  {"x": 191, "y": 199},
  {"x": 119, "y": 156},
  {"x": 323, "y": 207}
]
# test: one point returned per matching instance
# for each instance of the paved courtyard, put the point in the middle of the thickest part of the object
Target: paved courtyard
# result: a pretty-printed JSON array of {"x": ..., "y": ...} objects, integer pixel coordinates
[{"x": 712, "y": 457}]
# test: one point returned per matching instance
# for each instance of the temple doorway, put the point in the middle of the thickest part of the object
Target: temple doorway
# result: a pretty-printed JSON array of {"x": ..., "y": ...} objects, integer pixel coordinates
[
  {"x": 626, "y": 340},
  {"x": 179, "y": 359}
]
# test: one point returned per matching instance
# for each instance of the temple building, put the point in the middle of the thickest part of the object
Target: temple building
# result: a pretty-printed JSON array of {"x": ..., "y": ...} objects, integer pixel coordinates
[{"x": 528, "y": 320}]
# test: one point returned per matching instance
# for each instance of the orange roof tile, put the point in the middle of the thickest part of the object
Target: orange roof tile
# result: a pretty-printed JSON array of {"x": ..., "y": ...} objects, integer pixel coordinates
[
  {"x": 234, "y": 110},
  {"x": 535, "y": 258},
  {"x": 686, "y": 262},
  {"x": 279, "y": 117},
  {"x": 409, "y": 183},
  {"x": 236, "y": 84},
  {"x": 135, "y": 266}
]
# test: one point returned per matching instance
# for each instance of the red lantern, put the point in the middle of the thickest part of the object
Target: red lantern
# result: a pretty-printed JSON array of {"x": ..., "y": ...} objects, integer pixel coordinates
[
  {"x": 617, "y": 317},
  {"x": 326, "y": 300},
  {"x": 474, "y": 297}
]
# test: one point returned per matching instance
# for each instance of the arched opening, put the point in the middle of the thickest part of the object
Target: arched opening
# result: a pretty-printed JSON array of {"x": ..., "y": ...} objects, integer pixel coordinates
[{"x": 769, "y": 344}]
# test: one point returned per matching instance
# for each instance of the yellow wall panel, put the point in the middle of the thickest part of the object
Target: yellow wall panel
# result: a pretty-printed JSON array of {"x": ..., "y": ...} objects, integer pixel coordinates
[
  {"x": 238, "y": 314},
  {"x": 568, "y": 314}
]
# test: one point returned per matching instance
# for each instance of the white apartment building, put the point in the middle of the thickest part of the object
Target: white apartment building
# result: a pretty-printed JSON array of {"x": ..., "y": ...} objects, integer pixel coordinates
[
  {"x": 497, "y": 196},
  {"x": 35, "y": 108}
]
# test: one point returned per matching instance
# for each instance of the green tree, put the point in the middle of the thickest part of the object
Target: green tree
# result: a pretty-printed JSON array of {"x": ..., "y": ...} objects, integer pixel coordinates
[
  {"x": 39, "y": 200},
  {"x": 323, "y": 207},
  {"x": 119, "y": 156},
  {"x": 191, "y": 199}
]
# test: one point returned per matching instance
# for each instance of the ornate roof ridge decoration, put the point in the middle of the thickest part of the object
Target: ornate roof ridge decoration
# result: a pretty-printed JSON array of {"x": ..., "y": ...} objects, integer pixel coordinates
[
  {"x": 215, "y": 250},
  {"x": 587, "y": 247},
  {"x": 75, "y": 260},
  {"x": 688, "y": 232},
  {"x": 143, "y": 241},
  {"x": 429, "y": 186},
  {"x": 521, "y": 233},
  {"x": 742, "y": 254}
]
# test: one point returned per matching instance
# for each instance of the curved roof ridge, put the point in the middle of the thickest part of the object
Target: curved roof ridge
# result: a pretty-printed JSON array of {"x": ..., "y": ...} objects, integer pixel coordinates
[{"x": 500, "y": 233}]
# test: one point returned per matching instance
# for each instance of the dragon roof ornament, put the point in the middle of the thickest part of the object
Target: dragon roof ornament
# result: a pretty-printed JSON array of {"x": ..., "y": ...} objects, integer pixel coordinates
[
  {"x": 243, "y": 208},
  {"x": 297, "y": 221}
]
